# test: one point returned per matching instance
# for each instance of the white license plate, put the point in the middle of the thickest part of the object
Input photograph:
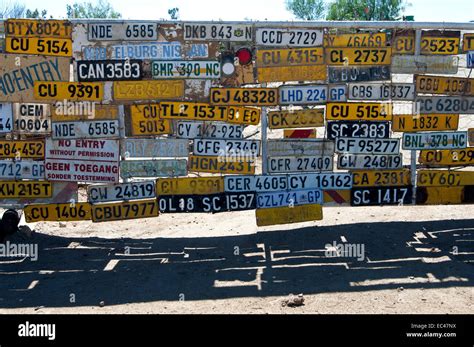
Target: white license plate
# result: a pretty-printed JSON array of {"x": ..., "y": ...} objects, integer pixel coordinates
[
  {"x": 89, "y": 129},
  {"x": 435, "y": 140},
  {"x": 147, "y": 51},
  {"x": 125, "y": 31},
  {"x": 303, "y": 95},
  {"x": 186, "y": 69},
  {"x": 218, "y": 32},
  {"x": 32, "y": 118},
  {"x": 121, "y": 192},
  {"x": 281, "y": 148},
  {"x": 289, "y": 37},
  {"x": 300, "y": 164},
  {"x": 382, "y": 91},
  {"x": 289, "y": 199},
  {"x": 205, "y": 147},
  {"x": 363, "y": 161},
  {"x": 215, "y": 130},
  {"x": 445, "y": 104},
  {"x": 470, "y": 59},
  {"x": 367, "y": 146},
  {"x": 238, "y": 184},
  {"x": 6, "y": 118},
  {"x": 25, "y": 169},
  {"x": 159, "y": 148},
  {"x": 423, "y": 64}
]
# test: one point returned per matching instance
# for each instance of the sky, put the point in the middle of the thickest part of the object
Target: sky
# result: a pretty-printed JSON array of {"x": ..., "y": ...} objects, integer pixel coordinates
[{"x": 272, "y": 10}]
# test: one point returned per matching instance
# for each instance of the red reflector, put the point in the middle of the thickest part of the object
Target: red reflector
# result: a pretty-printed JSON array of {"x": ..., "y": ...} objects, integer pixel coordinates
[{"x": 244, "y": 55}]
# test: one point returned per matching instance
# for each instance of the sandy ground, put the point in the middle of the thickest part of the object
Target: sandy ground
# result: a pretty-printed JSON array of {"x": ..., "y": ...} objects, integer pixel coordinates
[{"x": 416, "y": 260}]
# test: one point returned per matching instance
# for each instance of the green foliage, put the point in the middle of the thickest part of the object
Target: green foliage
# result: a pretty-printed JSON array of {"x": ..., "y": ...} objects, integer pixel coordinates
[
  {"x": 306, "y": 9},
  {"x": 174, "y": 13},
  {"x": 36, "y": 14},
  {"x": 103, "y": 9}
]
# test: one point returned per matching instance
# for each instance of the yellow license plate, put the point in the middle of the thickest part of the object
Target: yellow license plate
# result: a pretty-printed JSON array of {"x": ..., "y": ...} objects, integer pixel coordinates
[
  {"x": 58, "y": 212},
  {"x": 359, "y": 111},
  {"x": 27, "y": 189},
  {"x": 440, "y": 45},
  {"x": 244, "y": 115},
  {"x": 443, "y": 178},
  {"x": 33, "y": 149},
  {"x": 39, "y": 46},
  {"x": 404, "y": 44},
  {"x": 384, "y": 178},
  {"x": 290, "y": 57},
  {"x": 358, "y": 56},
  {"x": 193, "y": 111},
  {"x": 292, "y": 73},
  {"x": 356, "y": 40},
  {"x": 146, "y": 121},
  {"x": 425, "y": 122},
  {"x": 288, "y": 215},
  {"x": 148, "y": 90},
  {"x": 220, "y": 165},
  {"x": 296, "y": 119},
  {"x": 244, "y": 96},
  {"x": 440, "y": 195},
  {"x": 452, "y": 157},
  {"x": 125, "y": 210},
  {"x": 444, "y": 85},
  {"x": 189, "y": 186},
  {"x": 85, "y": 111},
  {"x": 71, "y": 91},
  {"x": 468, "y": 42},
  {"x": 38, "y": 28}
]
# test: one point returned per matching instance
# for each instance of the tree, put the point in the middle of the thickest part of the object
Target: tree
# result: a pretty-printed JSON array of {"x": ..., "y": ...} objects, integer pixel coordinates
[
  {"x": 306, "y": 9},
  {"x": 12, "y": 10},
  {"x": 174, "y": 13},
  {"x": 103, "y": 9},
  {"x": 36, "y": 14}
]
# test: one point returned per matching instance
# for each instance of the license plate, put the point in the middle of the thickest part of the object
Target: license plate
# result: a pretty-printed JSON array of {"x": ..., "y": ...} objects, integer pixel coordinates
[
  {"x": 422, "y": 64},
  {"x": 339, "y": 74},
  {"x": 296, "y": 119},
  {"x": 81, "y": 171},
  {"x": 81, "y": 130},
  {"x": 280, "y": 148},
  {"x": 247, "y": 148},
  {"x": 125, "y": 31},
  {"x": 289, "y": 199},
  {"x": 221, "y": 165},
  {"x": 39, "y": 46},
  {"x": 189, "y": 186},
  {"x": 244, "y": 96},
  {"x": 456, "y": 157},
  {"x": 424, "y": 122},
  {"x": 290, "y": 57},
  {"x": 444, "y": 85},
  {"x": 358, "y": 56},
  {"x": 372, "y": 162},
  {"x": 62, "y": 192},
  {"x": 192, "y": 130},
  {"x": 299, "y": 134},
  {"x": 148, "y": 90},
  {"x": 471, "y": 136},
  {"x": 33, "y": 149},
  {"x": 381, "y": 196},
  {"x": 218, "y": 32},
  {"x": 204, "y": 69},
  {"x": 300, "y": 164},
  {"x": 24, "y": 169},
  {"x": 58, "y": 212},
  {"x": 292, "y": 73},
  {"x": 6, "y": 118},
  {"x": 358, "y": 129},
  {"x": 445, "y": 104},
  {"x": 153, "y": 168},
  {"x": 61, "y": 112},
  {"x": 382, "y": 91},
  {"x": 440, "y": 45},
  {"x": 71, "y": 91},
  {"x": 468, "y": 42},
  {"x": 32, "y": 119},
  {"x": 356, "y": 40},
  {"x": 146, "y": 120},
  {"x": 121, "y": 192},
  {"x": 85, "y": 149},
  {"x": 444, "y": 195},
  {"x": 303, "y": 95},
  {"x": 109, "y": 70},
  {"x": 289, "y": 37},
  {"x": 148, "y": 51},
  {"x": 444, "y": 178},
  {"x": 215, "y": 203},
  {"x": 470, "y": 60},
  {"x": 367, "y": 146},
  {"x": 435, "y": 140},
  {"x": 38, "y": 28},
  {"x": 29, "y": 189},
  {"x": 195, "y": 111},
  {"x": 159, "y": 148},
  {"x": 359, "y": 111},
  {"x": 403, "y": 42},
  {"x": 384, "y": 178},
  {"x": 125, "y": 210},
  {"x": 288, "y": 215}
]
